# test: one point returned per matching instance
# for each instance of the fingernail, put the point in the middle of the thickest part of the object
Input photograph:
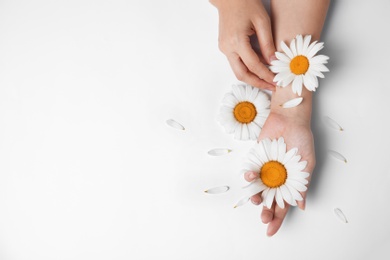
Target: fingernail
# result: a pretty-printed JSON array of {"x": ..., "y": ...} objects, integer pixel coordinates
[
  {"x": 252, "y": 175},
  {"x": 255, "y": 202},
  {"x": 304, "y": 205},
  {"x": 272, "y": 58}
]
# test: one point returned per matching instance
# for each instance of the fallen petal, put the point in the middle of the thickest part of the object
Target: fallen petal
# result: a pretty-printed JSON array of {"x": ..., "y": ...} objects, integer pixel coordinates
[
  {"x": 219, "y": 151},
  {"x": 175, "y": 124},
  {"x": 340, "y": 215},
  {"x": 337, "y": 155},
  {"x": 292, "y": 103},
  {"x": 241, "y": 202},
  {"x": 333, "y": 124},
  {"x": 217, "y": 190}
]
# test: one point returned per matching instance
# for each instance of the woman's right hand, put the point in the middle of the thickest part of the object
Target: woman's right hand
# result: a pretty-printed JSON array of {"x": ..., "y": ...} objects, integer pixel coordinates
[{"x": 238, "y": 20}]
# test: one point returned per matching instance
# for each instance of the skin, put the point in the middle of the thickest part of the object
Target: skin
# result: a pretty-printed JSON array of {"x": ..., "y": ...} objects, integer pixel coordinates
[
  {"x": 289, "y": 18},
  {"x": 238, "y": 20}
]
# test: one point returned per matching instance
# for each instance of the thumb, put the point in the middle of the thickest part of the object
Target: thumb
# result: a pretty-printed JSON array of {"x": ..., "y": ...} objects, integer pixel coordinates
[
  {"x": 266, "y": 42},
  {"x": 302, "y": 203}
]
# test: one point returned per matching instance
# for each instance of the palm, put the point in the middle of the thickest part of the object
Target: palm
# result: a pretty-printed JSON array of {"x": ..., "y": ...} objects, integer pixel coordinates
[{"x": 297, "y": 135}]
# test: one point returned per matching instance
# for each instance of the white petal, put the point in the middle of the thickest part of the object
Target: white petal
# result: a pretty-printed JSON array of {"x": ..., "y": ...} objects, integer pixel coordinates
[
  {"x": 340, "y": 215},
  {"x": 315, "y": 49},
  {"x": 174, "y": 124},
  {"x": 310, "y": 47},
  {"x": 217, "y": 190},
  {"x": 319, "y": 59},
  {"x": 306, "y": 42},
  {"x": 299, "y": 44},
  {"x": 296, "y": 185},
  {"x": 287, "y": 196},
  {"x": 249, "y": 166},
  {"x": 261, "y": 101},
  {"x": 279, "y": 198},
  {"x": 310, "y": 82},
  {"x": 300, "y": 180},
  {"x": 316, "y": 73},
  {"x": 259, "y": 150},
  {"x": 267, "y": 147},
  {"x": 298, "y": 175},
  {"x": 296, "y": 195},
  {"x": 286, "y": 50},
  {"x": 245, "y": 132},
  {"x": 254, "y": 187},
  {"x": 254, "y": 131},
  {"x": 296, "y": 167},
  {"x": 242, "y": 202},
  {"x": 230, "y": 100},
  {"x": 283, "y": 57},
  {"x": 243, "y": 91},
  {"x": 281, "y": 149},
  {"x": 248, "y": 91},
  {"x": 237, "y": 132},
  {"x": 293, "y": 47},
  {"x": 274, "y": 150},
  {"x": 270, "y": 198},
  {"x": 337, "y": 155},
  {"x": 280, "y": 63},
  {"x": 219, "y": 151},
  {"x": 292, "y": 102},
  {"x": 253, "y": 95},
  {"x": 253, "y": 158},
  {"x": 319, "y": 67},
  {"x": 282, "y": 75},
  {"x": 237, "y": 92},
  {"x": 278, "y": 69},
  {"x": 333, "y": 124},
  {"x": 297, "y": 85},
  {"x": 288, "y": 80},
  {"x": 289, "y": 155}
]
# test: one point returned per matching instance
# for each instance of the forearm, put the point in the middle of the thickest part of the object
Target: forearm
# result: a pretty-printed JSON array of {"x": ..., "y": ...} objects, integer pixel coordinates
[{"x": 290, "y": 18}]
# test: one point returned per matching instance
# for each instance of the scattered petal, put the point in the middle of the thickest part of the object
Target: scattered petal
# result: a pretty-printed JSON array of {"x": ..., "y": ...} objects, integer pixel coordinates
[
  {"x": 241, "y": 202},
  {"x": 217, "y": 190},
  {"x": 175, "y": 124},
  {"x": 340, "y": 215},
  {"x": 337, "y": 155},
  {"x": 219, "y": 151},
  {"x": 292, "y": 103},
  {"x": 333, "y": 124}
]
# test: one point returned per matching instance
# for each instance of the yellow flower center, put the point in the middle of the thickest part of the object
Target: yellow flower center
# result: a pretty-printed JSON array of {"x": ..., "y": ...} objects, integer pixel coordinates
[
  {"x": 273, "y": 174},
  {"x": 299, "y": 65},
  {"x": 245, "y": 112}
]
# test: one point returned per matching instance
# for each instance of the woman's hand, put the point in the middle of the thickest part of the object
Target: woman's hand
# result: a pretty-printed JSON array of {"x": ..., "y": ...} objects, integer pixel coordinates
[
  {"x": 296, "y": 133},
  {"x": 238, "y": 20}
]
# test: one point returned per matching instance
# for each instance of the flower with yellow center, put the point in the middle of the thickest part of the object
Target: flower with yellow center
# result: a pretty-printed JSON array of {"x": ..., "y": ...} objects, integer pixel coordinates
[
  {"x": 281, "y": 175},
  {"x": 244, "y": 111},
  {"x": 299, "y": 65}
]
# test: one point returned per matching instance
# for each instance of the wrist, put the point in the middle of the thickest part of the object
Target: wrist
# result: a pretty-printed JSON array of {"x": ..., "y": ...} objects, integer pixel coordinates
[{"x": 300, "y": 114}]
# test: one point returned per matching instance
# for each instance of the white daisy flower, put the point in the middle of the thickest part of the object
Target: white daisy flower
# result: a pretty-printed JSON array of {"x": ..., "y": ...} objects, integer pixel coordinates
[
  {"x": 299, "y": 65},
  {"x": 281, "y": 173},
  {"x": 244, "y": 111}
]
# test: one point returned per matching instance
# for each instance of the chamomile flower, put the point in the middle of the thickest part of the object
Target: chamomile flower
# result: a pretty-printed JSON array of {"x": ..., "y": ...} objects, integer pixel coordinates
[
  {"x": 281, "y": 175},
  {"x": 299, "y": 64},
  {"x": 244, "y": 111}
]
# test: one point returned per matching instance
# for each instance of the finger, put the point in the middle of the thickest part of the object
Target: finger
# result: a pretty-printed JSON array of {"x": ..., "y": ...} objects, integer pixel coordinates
[
  {"x": 253, "y": 63},
  {"x": 276, "y": 223},
  {"x": 267, "y": 214},
  {"x": 251, "y": 176},
  {"x": 256, "y": 199},
  {"x": 266, "y": 41},
  {"x": 243, "y": 74}
]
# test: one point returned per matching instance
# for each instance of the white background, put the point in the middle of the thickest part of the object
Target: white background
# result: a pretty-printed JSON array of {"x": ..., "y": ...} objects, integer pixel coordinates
[{"x": 90, "y": 170}]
